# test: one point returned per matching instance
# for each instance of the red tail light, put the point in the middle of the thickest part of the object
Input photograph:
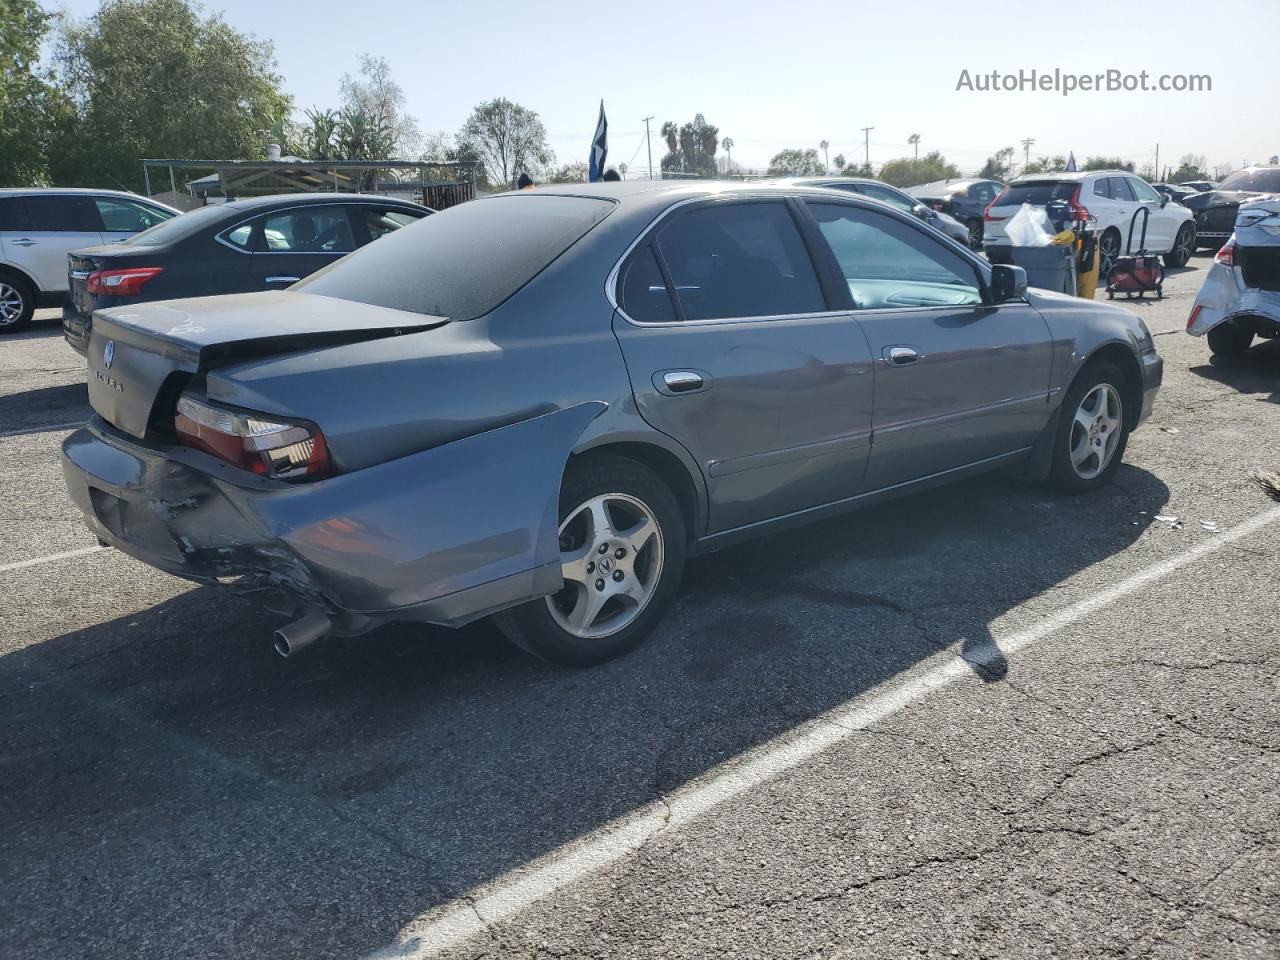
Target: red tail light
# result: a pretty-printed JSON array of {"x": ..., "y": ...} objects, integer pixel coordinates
[
  {"x": 269, "y": 448},
  {"x": 939, "y": 206},
  {"x": 121, "y": 283},
  {"x": 986, "y": 211},
  {"x": 1227, "y": 255},
  {"x": 1191, "y": 320},
  {"x": 1077, "y": 211}
]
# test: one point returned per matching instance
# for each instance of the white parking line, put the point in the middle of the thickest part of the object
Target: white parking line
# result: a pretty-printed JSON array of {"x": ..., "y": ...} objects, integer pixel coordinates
[
  {"x": 461, "y": 919},
  {"x": 66, "y": 555},
  {"x": 42, "y": 428}
]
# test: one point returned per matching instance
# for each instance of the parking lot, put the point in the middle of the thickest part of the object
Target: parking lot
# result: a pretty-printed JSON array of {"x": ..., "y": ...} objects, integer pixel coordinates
[{"x": 985, "y": 721}]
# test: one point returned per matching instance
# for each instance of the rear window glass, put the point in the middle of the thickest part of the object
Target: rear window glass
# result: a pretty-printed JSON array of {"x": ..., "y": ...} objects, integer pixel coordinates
[
  {"x": 1263, "y": 181},
  {"x": 181, "y": 227},
  {"x": 1037, "y": 192},
  {"x": 464, "y": 261}
]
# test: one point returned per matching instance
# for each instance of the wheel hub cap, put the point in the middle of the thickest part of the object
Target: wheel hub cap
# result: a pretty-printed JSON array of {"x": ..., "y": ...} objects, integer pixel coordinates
[
  {"x": 1095, "y": 431},
  {"x": 611, "y": 556}
]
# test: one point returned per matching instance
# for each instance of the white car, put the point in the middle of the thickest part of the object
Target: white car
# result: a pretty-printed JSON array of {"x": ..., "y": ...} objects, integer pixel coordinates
[
  {"x": 39, "y": 227},
  {"x": 1112, "y": 198},
  {"x": 1240, "y": 298}
]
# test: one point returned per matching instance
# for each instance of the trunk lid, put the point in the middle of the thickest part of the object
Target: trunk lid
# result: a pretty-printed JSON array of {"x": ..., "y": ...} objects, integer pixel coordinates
[{"x": 142, "y": 356}]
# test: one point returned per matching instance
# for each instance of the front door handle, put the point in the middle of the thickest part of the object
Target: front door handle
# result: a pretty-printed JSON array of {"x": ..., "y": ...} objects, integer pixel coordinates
[
  {"x": 679, "y": 382},
  {"x": 901, "y": 356},
  {"x": 24, "y": 242},
  {"x": 283, "y": 279}
]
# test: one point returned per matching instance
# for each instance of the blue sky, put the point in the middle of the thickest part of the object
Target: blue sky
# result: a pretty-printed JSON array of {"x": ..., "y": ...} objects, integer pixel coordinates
[{"x": 780, "y": 76}]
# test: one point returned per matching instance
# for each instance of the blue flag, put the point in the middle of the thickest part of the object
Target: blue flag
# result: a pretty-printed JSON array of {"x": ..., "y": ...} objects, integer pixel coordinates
[{"x": 599, "y": 149}]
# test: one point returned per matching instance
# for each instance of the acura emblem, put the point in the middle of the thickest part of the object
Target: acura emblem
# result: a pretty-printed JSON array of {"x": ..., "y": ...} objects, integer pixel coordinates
[{"x": 108, "y": 354}]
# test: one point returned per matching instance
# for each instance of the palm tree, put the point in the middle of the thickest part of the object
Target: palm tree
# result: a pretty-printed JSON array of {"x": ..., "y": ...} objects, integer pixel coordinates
[
  {"x": 727, "y": 143},
  {"x": 914, "y": 140},
  {"x": 826, "y": 163},
  {"x": 840, "y": 162},
  {"x": 670, "y": 131}
]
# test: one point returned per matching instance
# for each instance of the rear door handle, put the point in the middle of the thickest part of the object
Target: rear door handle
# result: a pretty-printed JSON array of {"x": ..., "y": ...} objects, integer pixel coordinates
[
  {"x": 283, "y": 279},
  {"x": 24, "y": 242},
  {"x": 901, "y": 356},
  {"x": 674, "y": 382}
]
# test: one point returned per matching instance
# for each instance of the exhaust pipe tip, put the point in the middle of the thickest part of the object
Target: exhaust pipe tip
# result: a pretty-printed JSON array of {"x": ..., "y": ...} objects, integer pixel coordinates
[{"x": 300, "y": 634}]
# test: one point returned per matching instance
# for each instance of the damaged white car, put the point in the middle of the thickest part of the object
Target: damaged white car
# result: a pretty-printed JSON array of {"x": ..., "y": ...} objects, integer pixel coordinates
[{"x": 1240, "y": 298}]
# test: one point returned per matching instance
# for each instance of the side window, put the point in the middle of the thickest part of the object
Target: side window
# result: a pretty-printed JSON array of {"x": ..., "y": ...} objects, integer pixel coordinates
[
  {"x": 740, "y": 260},
  {"x": 14, "y": 215},
  {"x": 239, "y": 236},
  {"x": 66, "y": 213},
  {"x": 125, "y": 216},
  {"x": 643, "y": 293},
  {"x": 982, "y": 193},
  {"x": 316, "y": 229},
  {"x": 379, "y": 222},
  {"x": 1120, "y": 189},
  {"x": 1143, "y": 192},
  {"x": 891, "y": 265},
  {"x": 1102, "y": 188},
  {"x": 891, "y": 197}
]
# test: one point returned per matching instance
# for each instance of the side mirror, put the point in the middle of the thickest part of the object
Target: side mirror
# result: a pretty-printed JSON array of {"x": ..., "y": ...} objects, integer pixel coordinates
[
  {"x": 1164, "y": 200},
  {"x": 1008, "y": 283},
  {"x": 923, "y": 212}
]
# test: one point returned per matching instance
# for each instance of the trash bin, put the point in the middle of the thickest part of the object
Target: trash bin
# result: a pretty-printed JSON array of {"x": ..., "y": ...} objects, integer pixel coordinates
[{"x": 1049, "y": 268}]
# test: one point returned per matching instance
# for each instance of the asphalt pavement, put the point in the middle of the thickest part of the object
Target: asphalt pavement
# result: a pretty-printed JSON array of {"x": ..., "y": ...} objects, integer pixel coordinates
[{"x": 984, "y": 721}]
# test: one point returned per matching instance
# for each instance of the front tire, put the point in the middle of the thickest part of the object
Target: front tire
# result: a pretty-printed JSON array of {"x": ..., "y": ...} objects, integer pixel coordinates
[
  {"x": 1108, "y": 252},
  {"x": 623, "y": 545},
  {"x": 1092, "y": 430},
  {"x": 17, "y": 302},
  {"x": 1230, "y": 339},
  {"x": 1183, "y": 245}
]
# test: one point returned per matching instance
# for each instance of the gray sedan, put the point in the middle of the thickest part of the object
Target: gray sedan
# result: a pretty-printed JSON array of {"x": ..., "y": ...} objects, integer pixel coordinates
[{"x": 538, "y": 405}]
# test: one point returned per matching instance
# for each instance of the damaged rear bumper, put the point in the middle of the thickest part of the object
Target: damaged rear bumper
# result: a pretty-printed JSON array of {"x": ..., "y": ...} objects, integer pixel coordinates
[{"x": 443, "y": 536}]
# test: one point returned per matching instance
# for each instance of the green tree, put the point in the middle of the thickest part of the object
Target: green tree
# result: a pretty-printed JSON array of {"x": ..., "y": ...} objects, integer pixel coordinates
[
  {"x": 152, "y": 78},
  {"x": 1191, "y": 166},
  {"x": 909, "y": 171},
  {"x": 796, "y": 163},
  {"x": 29, "y": 105},
  {"x": 1054, "y": 164},
  {"x": 508, "y": 139},
  {"x": 997, "y": 165},
  {"x": 379, "y": 101},
  {"x": 691, "y": 148},
  {"x": 569, "y": 173},
  {"x": 1106, "y": 163},
  {"x": 863, "y": 169}
]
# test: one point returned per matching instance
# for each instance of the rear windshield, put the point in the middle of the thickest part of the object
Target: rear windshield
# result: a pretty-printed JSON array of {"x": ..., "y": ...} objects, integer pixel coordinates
[
  {"x": 464, "y": 261},
  {"x": 1036, "y": 192},
  {"x": 179, "y": 227},
  {"x": 1262, "y": 181}
]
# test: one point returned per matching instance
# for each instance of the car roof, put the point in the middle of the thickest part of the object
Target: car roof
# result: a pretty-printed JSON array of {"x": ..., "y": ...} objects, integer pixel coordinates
[
  {"x": 75, "y": 191},
  {"x": 1070, "y": 175},
  {"x": 304, "y": 199},
  {"x": 953, "y": 183}
]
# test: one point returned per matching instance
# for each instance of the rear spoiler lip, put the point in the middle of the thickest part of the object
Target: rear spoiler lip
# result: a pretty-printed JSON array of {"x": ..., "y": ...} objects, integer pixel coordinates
[{"x": 198, "y": 358}]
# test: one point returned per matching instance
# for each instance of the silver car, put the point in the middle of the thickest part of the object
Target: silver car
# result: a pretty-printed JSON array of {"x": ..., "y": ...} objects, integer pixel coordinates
[
  {"x": 538, "y": 405},
  {"x": 39, "y": 227}
]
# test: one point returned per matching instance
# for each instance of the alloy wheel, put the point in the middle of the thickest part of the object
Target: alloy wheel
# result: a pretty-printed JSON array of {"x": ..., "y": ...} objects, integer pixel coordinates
[
  {"x": 611, "y": 557},
  {"x": 975, "y": 234},
  {"x": 1096, "y": 431},
  {"x": 11, "y": 305},
  {"x": 1183, "y": 245},
  {"x": 1108, "y": 250}
]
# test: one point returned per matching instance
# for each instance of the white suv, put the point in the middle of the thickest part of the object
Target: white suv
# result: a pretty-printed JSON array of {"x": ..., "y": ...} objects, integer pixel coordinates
[
  {"x": 1112, "y": 197},
  {"x": 39, "y": 227}
]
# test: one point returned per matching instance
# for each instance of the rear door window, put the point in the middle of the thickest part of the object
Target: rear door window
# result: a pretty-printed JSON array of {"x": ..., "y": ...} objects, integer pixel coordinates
[
  {"x": 643, "y": 292},
  {"x": 66, "y": 213},
  {"x": 739, "y": 260},
  {"x": 14, "y": 215},
  {"x": 1120, "y": 189},
  {"x": 125, "y": 216},
  {"x": 315, "y": 229}
]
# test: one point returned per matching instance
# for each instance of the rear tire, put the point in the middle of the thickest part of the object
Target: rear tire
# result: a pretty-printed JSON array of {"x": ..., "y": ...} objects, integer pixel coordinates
[
  {"x": 1092, "y": 430},
  {"x": 976, "y": 228},
  {"x": 17, "y": 302},
  {"x": 1230, "y": 339},
  {"x": 1108, "y": 252},
  {"x": 640, "y": 571}
]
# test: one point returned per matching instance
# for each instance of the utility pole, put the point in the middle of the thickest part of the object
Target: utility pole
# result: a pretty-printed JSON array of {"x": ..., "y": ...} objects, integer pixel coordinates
[
  {"x": 1026, "y": 147},
  {"x": 866, "y": 139},
  {"x": 1158, "y": 161},
  {"x": 647, "y": 145}
]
